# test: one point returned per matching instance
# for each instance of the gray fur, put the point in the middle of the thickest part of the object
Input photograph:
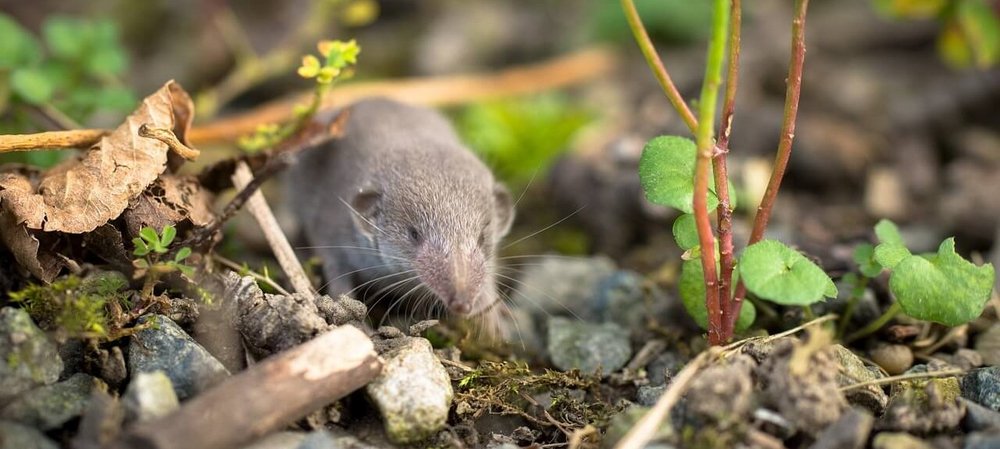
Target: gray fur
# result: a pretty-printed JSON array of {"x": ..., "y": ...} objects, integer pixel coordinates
[{"x": 397, "y": 167}]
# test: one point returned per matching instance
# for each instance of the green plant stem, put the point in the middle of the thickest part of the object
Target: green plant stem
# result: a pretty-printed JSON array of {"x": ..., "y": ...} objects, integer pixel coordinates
[
  {"x": 794, "y": 88},
  {"x": 656, "y": 65},
  {"x": 887, "y": 316},
  {"x": 703, "y": 166},
  {"x": 852, "y": 304},
  {"x": 730, "y": 308}
]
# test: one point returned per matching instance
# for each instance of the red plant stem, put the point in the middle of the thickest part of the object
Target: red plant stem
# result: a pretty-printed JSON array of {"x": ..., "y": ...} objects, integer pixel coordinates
[
  {"x": 656, "y": 65},
  {"x": 794, "y": 82},
  {"x": 703, "y": 167},
  {"x": 725, "y": 211}
]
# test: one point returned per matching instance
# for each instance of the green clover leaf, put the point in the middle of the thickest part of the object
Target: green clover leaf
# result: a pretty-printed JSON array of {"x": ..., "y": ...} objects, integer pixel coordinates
[
  {"x": 692, "y": 289},
  {"x": 666, "y": 171},
  {"x": 773, "y": 271},
  {"x": 943, "y": 288}
]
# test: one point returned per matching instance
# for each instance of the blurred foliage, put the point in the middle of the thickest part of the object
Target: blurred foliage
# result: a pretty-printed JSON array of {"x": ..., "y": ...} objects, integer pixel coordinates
[
  {"x": 679, "y": 21},
  {"x": 521, "y": 137},
  {"x": 970, "y": 33},
  {"x": 69, "y": 74}
]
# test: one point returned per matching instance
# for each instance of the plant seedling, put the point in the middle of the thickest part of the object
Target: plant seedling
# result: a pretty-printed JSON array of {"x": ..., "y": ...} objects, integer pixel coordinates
[
  {"x": 151, "y": 247},
  {"x": 941, "y": 287},
  {"x": 691, "y": 176}
]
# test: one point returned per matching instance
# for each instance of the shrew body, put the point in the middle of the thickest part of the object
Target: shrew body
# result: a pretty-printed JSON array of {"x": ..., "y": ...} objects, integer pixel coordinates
[{"x": 398, "y": 206}]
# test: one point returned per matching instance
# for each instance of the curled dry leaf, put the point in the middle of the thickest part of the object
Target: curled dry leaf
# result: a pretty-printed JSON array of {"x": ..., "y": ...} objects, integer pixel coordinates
[
  {"x": 87, "y": 192},
  {"x": 169, "y": 200}
]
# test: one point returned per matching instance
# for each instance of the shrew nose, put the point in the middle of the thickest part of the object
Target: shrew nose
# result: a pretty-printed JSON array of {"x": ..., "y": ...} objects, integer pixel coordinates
[{"x": 460, "y": 307}]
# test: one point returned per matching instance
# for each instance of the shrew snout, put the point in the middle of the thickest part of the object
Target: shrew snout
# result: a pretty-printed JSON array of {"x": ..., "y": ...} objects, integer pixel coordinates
[{"x": 456, "y": 275}]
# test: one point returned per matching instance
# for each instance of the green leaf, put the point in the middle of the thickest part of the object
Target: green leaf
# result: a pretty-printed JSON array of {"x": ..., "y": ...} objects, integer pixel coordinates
[
  {"x": 773, "y": 271},
  {"x": 182, "y": 254},
  {"x": 149, "y": 235},
  {"x": 141, "y": 249},
  {"x": 167, "y": 235},
  {"x": 20, "y": 48},
  {"x": 864, "y": 256},
  {"x": 692, "y": 289},
  {"x": 981, "y": 31},
  {"x": 666, "y": 171},
  {"x": 31, "y": 85},
  {"x": 141, "y": 263},
  {"x": 66, "y": 38},
  {"x": 686, "y": 232},
  {"x": 887, "y": 232},
  {"x": 187, "y": 270},
  {"x": 945, "y": 289},
  {"x": 116, "y": 98},
  {"x": 890, "y": 254},
  {"x": 107, "y": 62}
]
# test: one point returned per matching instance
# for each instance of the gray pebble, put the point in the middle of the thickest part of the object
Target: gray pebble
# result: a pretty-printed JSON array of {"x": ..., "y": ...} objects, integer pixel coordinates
[
  {"x": 27, "y": 357},
  {"x": 166, "y": 347},
  {"x": 982, "y": 386},
  {"x": 589, "y": 347},
  {"x": 19, "y": 436},
  {"x": 53, "y": 405},
  {"x": 149, "y": 395}
]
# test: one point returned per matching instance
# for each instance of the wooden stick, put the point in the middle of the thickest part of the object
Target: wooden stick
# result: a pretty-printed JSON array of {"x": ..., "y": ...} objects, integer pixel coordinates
[
  {"x": 576, "y": 68},
  {"x": 266, "y": 397},
  {"x": 81, "y": 138},
  {"x": 272, "y": 232},
  {"x": 644, "y": 430}
]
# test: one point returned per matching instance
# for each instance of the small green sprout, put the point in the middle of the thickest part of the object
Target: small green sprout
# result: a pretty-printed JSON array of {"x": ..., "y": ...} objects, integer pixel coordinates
[
  {"x": 75, "y": 307},
  {"x": 151, "y": 247},
  {"x": 335, "y": 63},
  {"x": 941, "y": 287}
]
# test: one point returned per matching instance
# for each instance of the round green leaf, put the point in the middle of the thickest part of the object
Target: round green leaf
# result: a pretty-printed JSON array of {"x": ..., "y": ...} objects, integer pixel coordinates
[
  {"x": 686, "y": 232},
  {"x": 864, "y": 256},
  {"x": 944, "y": 288},
  {"x": 888, "y": 232},
  {"x": 107, "y": 62},
  {"x": 666, "y": 171},
  {"x": 890, "y": 254},
  {"x": 20, "y": 48},
  {"x": 773, "y": 271},
  {"x": 31, "y": 85},
  {"x": 692, "y": 289}
]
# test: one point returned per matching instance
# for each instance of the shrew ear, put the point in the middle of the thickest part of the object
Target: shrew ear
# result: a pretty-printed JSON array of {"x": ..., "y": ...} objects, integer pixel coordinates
[
  {"x": 503, "y": 210},
  {"x": 365, "y": 207}
]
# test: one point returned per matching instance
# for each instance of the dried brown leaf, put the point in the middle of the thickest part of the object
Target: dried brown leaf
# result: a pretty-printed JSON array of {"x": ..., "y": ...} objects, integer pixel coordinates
[{"x": 82, "y": 194}]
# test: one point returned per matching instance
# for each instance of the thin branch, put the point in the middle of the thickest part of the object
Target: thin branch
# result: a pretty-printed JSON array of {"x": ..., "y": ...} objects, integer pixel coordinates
[
  {"x": 81, "y": 138},
  {"x": 243, "y": 269},
  {"x": 703, "y": 167},
  {"x": 644, "y": 430},
  {"x": 730, "y": 307},
  {"x": 902, "y": 377},
  {"x": 874, "y": 326},
  {"x": 272, "y": 232},
  {"x": 792, "y": 92},
  {"x": 656, "y": 65}
]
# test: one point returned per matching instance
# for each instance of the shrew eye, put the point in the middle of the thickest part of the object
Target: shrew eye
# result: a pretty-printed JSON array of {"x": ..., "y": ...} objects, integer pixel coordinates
[
  {"x": 482, "y": 238},
  {"x": 415, "y": 236}
]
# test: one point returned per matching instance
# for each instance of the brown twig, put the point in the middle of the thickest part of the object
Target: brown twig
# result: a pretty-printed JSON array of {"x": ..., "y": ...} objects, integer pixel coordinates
[
  {"x": 242, "y": 269},
  {"x": 283, "y": 251},
  {"x": 646, "y": 428},
  {"x": 81, "y": 138},
  {"x": 167, "y": 136},
  {"x": 656, "y": 65},
  {"x": 730, "y": 310},
  {"x": 902, "y": 377},
  {"x": 564, "y": 71},
  {"x": 265, "y": 397},
  {"x": 792, "y": 92}
]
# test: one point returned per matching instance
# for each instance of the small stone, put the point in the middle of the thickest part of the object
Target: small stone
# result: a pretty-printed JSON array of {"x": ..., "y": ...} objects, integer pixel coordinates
[
  {"x": 149, "y": 395},
  {"x": 894, "y": 359},
  {"x": 988, "y": 343},
  {"x": 625, "y": 298},
  {"x": 648, "y": 395},
  {"x": 589, "y": 347},
  {"x": 101, "y": 423},
  {"x": 965, "y": 359},
  {"x": 341, "y": 311},
  {"x": 413, "y": 393},
  {"x": 51, "y": 406},
  {"x": 982, "y": 386},
  {"x": 849, "y": 432},
  {"x": 166, "y": 347},
  {"x": 900, "y": 440},
  {"x": 111, "y": 366},
  {"x": 923, "y": 406},
  {"x": 278, "y": 440},
  {"x": 722, "y": 393},
  {"x": 664, "y": 367},
  {"x": 19, "y": 436},
  {"x": 983, "y": 440},
  {"x": 27, "y": 357},
  {"x": 563, "y": 285},
  {"x": 854, "y": 371},
  {"x": 978, "y": 417}
]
